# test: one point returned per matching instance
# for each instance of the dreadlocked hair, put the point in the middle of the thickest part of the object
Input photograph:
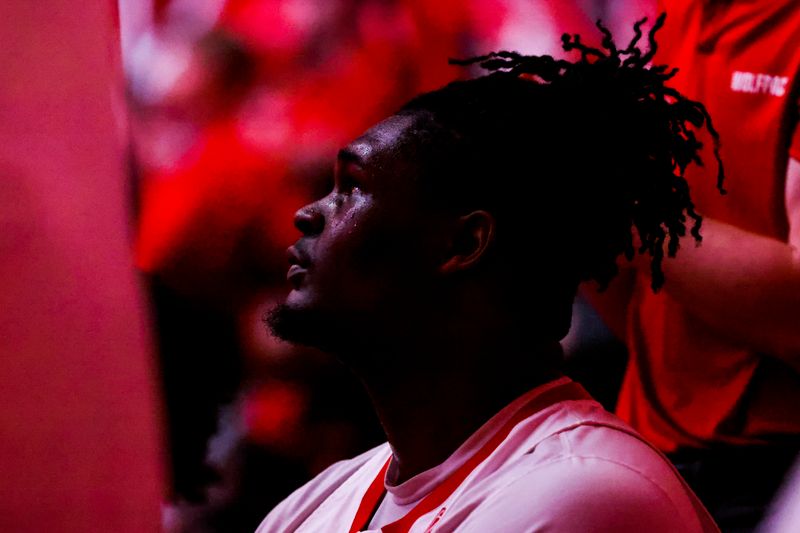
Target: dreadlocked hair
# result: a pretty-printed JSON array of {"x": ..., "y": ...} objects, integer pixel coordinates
[{"x": 571, "y": 156}]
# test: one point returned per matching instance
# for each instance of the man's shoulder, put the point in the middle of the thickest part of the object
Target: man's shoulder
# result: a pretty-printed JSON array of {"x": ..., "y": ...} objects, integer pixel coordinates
[
  {"x": 591, "y": 443},
  {"x": 294, "y": 510},
  {"x": 590, "y": 493},
  {"x": 594, "y": 472}
]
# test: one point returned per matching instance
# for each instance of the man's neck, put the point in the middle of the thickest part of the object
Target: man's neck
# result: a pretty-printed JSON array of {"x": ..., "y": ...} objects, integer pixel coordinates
[{"x": 427, "y": 413}]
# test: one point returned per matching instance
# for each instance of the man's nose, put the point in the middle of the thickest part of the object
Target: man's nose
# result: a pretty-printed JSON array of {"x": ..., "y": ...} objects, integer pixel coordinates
[{"x": 309, "y": 220}]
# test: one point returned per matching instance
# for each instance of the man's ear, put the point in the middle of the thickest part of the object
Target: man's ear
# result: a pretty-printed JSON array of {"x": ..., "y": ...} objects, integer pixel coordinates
[{"x": 471, "y": 237}]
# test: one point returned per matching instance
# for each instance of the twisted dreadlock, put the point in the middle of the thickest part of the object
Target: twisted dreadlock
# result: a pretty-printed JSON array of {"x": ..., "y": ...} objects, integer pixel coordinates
[{"x": 600, "y": 145}]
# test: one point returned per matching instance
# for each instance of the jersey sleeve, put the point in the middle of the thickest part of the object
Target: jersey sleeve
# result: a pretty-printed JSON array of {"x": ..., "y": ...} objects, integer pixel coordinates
[{"x": 586, "y": 494}]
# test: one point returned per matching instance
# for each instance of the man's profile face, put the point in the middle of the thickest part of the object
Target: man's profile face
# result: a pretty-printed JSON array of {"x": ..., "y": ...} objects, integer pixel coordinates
[{"x": 366, "y": 254}]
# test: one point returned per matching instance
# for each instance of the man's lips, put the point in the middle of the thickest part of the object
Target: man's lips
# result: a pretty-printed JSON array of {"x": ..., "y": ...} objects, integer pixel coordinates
[
  {"x": 295, "y": 275},
  {"x": 299, "y": 264},
  {"x": 297, "y": 256}
]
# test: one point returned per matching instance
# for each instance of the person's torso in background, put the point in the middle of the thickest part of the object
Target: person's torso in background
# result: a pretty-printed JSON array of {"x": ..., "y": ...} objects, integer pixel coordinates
[{"x": 686, "y": 385}]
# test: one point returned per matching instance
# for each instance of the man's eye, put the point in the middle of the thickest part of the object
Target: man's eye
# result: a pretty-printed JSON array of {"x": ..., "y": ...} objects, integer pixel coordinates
[{"x": 349, "y": 185}]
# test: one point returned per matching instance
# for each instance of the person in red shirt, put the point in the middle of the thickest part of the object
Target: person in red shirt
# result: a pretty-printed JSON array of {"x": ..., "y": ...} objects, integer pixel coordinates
[{"x": 714, "y": 370}]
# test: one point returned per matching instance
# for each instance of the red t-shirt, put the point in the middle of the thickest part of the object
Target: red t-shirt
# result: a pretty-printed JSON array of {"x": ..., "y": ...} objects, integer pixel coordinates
[{"x": 686, "y": 385}]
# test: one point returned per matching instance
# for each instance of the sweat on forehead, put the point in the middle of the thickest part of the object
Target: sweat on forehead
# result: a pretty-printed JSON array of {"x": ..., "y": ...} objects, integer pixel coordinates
[
  {"x": 385, "y": 136},
  {"x": 399, "y": 149}
]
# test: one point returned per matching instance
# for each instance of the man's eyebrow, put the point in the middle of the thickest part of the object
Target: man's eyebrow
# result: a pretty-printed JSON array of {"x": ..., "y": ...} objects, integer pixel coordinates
[{"x": 348, "y": 156}]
